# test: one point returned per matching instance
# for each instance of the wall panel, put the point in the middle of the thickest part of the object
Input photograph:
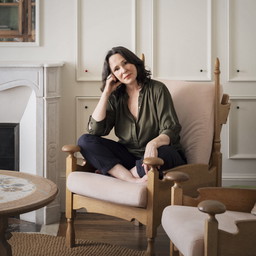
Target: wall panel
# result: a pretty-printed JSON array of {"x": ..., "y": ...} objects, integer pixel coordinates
[
  {"x": 242, "y": 128},
  {"x": 242, "y": 40},
  {"x": 182, "y": 39},
  {"x": 100, "y": 26}
]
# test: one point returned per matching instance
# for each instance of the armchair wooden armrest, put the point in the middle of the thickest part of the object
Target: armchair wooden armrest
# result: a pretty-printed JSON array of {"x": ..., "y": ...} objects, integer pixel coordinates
[
  {"x": 72, "y": 161},
  {"x": 71, "y": 149},
  {"x": 176, "y": 191},
  {"x": 153, "y": 161},
  {"x": 177, "y": 177},
  {"x": 200, "y": 175},
  {"x": 211, "y": 207}
]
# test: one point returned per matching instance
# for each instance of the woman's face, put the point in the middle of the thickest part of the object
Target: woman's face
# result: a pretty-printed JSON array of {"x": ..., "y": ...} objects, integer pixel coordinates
[{"x": 124, "y": 71}]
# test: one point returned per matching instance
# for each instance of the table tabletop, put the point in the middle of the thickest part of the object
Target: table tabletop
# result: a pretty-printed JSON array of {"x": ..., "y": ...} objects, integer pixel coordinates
[{"x": 21, "y": 192}]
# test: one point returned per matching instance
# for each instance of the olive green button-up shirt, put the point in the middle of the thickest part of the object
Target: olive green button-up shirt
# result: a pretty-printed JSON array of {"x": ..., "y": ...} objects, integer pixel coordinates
[{"x": 156, "y": 116}]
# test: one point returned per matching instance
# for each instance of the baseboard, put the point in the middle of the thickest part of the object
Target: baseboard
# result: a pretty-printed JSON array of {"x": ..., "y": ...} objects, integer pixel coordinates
[
  {"x": 51, "y": 229},
  {"x": 236, "y": 180},
  {"x": 52, "y": 214}
]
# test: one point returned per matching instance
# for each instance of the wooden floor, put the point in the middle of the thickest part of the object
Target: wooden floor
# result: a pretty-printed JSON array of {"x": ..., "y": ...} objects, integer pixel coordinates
[{"x": 106, "y": 229}]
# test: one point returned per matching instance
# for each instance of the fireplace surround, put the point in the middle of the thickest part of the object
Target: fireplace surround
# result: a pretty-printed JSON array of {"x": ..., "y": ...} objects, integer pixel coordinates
[{"x": 29, "y": 96}]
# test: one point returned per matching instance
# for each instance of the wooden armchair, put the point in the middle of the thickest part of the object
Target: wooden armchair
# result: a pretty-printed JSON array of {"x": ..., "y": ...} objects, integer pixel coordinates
[
  {"x": 229, "y": 229},
  {"x": 202, "y": 110}
]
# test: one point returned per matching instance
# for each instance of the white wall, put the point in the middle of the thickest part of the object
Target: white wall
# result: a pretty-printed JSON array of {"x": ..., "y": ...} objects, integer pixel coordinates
[{"x": 58, "y": 43}]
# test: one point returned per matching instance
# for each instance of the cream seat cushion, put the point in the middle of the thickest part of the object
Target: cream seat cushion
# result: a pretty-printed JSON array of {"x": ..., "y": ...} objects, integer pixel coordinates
[
  {"x": 107, "y": 188},
  {"x": 185, "y": 226}
]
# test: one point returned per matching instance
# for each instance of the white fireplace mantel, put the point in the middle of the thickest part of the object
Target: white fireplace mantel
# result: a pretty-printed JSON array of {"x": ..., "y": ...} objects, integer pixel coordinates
[{"x": 41, "y": 128}]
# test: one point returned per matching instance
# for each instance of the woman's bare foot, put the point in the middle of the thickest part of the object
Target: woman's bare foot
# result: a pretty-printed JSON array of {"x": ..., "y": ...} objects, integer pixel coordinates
[
  {"x": 122, "y": 173},
  {"x": 134, "y": 172},
  {"x": 136, "y": 175},
  {"x": 143, "y": 179}
]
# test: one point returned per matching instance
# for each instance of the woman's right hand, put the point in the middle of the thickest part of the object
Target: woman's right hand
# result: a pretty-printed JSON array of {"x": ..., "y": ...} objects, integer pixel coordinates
[
  {"x": 111, "y": 84},
  {"x": 99, "y": 112}
]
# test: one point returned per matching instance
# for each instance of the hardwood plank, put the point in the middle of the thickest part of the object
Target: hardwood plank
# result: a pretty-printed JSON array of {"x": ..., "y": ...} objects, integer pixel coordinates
[{"x": 107, "y": 229}]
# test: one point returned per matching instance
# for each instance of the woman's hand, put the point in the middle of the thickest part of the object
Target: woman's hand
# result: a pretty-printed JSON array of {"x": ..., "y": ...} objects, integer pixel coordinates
[
  {"x": 153, "y": 145},
  {"x": 99, "y": 112},
  {"x": 150, "y": 151},
  {"x": 111, "y": 84}
]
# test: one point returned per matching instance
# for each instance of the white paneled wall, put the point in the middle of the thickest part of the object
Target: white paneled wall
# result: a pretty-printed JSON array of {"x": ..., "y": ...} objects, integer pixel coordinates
[{"x": 179, "y": 39}]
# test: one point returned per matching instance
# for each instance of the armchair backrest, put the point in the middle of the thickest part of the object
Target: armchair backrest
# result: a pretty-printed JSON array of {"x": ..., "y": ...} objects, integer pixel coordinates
[
  {"x": 194, "y": 104},
  {"x": 202, "y": 108}
]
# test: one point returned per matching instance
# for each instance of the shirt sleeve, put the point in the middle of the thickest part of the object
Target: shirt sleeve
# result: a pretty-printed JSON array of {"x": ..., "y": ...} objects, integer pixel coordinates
[
  {"x": 103, "y": 127},
  {"x": 167, "y": 117}
]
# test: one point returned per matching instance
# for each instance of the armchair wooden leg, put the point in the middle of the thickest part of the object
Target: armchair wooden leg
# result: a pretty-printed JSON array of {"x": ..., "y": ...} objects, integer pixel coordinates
[
  {"x": 137, "y": 223},
  {"x": 173, "y": 250},
  {"x": 151, "y": 247},
  {"x": 70, "y": 233}
]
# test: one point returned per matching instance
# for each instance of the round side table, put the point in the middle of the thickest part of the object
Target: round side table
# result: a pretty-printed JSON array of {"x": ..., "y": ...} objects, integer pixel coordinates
[{"x": 20, "y": 193}]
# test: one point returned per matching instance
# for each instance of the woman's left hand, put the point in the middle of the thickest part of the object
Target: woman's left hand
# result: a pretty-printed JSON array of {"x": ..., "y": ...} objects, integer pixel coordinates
[
  {"x": 153, "y": 145},
  {"x": 150, "y": 151}
]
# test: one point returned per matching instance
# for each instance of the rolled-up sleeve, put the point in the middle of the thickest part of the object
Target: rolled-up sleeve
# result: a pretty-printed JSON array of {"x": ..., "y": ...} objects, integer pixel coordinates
[
  {"x": 96, "y": 128},
  {"x": 168, "y": 120},
  {"x": 103, "y": 127}
]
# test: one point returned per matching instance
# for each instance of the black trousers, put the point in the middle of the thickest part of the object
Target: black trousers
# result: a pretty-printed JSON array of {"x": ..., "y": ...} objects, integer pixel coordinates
[{"x": 104, "y": 154}]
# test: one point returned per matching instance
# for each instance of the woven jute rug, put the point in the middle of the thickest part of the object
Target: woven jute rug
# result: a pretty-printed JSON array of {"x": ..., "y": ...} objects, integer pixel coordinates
[{"x": 28, "y": 244}]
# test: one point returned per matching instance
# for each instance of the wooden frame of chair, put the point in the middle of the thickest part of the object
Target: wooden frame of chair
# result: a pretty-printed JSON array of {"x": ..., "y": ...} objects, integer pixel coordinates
[
  {"x": 216, "y": 200},
  {"x": 158, "y": 191}
]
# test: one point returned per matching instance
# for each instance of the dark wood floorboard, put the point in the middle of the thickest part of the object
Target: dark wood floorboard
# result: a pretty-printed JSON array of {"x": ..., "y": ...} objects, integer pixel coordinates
[
  {"x": 107, "y": 229},
  {"x": 15, "y": 224}
]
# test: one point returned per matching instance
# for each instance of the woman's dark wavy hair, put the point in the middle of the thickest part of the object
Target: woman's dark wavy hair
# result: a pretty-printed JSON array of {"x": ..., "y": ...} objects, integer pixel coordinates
[{"x": 143, "y": 75}]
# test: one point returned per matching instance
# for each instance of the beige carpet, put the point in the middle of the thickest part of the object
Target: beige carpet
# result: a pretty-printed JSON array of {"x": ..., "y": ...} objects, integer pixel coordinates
[{"x": 25, "y": 244}]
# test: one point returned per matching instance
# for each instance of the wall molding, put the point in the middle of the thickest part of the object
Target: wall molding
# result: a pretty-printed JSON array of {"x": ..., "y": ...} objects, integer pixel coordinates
[
  {"x": 241, "y": 60},
  {"x": 239, "y": 179},
  {"x": 236, "y": 122}
]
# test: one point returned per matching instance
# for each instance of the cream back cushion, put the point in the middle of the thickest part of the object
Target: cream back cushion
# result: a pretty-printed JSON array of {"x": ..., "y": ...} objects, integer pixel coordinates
[{"x": 194, "y": 104}]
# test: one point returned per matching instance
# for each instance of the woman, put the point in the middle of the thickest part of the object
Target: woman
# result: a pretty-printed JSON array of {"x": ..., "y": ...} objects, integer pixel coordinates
[{"x": 142, "y": 113}]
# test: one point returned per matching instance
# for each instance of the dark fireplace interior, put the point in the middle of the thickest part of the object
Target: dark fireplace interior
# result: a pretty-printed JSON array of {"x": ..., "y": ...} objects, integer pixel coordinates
[{"x": 9, "y": 146}]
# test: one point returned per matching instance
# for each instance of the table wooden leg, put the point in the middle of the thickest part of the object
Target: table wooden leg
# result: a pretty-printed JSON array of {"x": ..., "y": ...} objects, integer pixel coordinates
[{"x": 5, "y": 247}]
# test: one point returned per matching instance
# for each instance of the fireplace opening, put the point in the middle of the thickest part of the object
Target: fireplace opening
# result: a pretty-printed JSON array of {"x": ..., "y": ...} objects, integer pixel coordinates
[{"x": 9, "y": 146}]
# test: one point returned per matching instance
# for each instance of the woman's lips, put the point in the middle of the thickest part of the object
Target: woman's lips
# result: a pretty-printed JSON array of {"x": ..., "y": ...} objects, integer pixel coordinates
[{"x": 127, "y": 76}]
